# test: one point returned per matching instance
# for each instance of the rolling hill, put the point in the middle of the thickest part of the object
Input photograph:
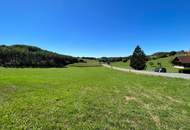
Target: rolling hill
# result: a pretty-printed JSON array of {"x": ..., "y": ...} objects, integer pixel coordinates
[{"x": 31, "y": 56}]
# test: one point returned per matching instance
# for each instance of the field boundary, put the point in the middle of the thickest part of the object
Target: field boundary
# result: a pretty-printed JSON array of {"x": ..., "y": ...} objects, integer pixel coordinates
[{"x": 171, "y": 75}]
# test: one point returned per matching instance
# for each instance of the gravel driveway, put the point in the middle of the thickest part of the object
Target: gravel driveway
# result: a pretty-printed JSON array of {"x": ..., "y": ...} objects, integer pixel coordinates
[{"x": 172, "y": 75}]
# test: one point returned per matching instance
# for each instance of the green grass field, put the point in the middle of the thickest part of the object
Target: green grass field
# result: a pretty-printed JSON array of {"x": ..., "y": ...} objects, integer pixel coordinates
[
  {"x": 91, "y": 98},
  {"x": 165, "y": 62},
  {"x": 89, "y": 63},
  {"x": 122, "y": 64}
]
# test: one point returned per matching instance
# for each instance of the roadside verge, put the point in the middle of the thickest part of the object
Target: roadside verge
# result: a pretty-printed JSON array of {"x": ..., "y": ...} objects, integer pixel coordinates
[{"x": 171, "y": 75}]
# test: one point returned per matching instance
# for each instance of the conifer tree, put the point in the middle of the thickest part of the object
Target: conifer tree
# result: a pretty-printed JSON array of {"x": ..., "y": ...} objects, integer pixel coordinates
[{"x": 138, "y": 59}]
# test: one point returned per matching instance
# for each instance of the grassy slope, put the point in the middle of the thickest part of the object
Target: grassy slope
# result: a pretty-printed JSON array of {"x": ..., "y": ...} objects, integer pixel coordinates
[
  {"x": 122, "y": 64},
  {"x": 89, "y": 63},
  {"x": 166, "y": 63},
  {"x": 91, "y": 98}
]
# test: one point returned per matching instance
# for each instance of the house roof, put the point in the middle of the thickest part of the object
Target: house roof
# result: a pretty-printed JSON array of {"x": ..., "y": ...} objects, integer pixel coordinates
[{"x": 183, "y": 59}]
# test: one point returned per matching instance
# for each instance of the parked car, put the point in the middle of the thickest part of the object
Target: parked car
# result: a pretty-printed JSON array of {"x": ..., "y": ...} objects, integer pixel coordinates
[{"x": 160, "y": 70}]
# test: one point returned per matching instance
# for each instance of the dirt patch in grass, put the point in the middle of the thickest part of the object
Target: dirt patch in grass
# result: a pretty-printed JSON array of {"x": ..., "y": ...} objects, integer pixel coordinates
[
  {"x": 173, "y": 99},
  {"x": 129, "y": 98},
  {"x": 9, "y": 89},
  {"x": 155, "y": 118},
  {"x": 147, "y": 107},
  {"x": 6, "y": 92},
  {"x": 146, "y": 95}
]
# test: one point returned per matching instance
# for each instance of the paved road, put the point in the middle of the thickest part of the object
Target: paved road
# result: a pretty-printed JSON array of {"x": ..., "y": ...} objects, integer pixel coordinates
[{"x": 172, "y": 75}]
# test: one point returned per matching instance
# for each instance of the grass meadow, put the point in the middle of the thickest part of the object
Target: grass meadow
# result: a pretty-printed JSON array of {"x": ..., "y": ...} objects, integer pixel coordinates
[
  {"x": 87, "y": 63},
  {"x": 97, "y": 98}
]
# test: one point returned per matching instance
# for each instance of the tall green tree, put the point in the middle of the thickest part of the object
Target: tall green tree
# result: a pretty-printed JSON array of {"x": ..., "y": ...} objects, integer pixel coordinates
[{"x": 138, "y": 59}]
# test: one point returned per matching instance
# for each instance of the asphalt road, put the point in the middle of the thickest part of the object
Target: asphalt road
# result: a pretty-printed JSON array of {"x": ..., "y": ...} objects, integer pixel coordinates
[{"x": 172, "y": 75}]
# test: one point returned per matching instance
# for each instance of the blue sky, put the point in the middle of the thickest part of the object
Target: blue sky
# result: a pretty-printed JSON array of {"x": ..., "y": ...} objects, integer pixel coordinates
[{"x": 96, "y": 27}]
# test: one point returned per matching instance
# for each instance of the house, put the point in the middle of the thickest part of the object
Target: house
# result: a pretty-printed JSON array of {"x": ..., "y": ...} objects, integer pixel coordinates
[{"x": 182, "y": 63}]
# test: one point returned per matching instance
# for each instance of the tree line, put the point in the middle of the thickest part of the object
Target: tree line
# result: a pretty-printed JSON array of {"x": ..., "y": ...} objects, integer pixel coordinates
[
  {"x": 30, "y": 56},
  {"x": 114, "y": 59}
]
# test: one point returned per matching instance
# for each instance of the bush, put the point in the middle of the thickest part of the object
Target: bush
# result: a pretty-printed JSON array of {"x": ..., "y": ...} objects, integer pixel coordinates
[
  {"x": 125, "y": 60},
  {"x": 151, "y": 63},
  {"x": 159, "y": 64}
]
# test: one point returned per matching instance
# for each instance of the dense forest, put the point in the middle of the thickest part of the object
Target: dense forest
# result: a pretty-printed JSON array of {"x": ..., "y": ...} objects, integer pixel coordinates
[{"x": 30, "y": 56}]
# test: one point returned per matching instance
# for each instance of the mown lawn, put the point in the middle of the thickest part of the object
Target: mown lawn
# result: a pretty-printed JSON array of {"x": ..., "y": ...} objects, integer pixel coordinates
[{"x": 91, "y": 98}]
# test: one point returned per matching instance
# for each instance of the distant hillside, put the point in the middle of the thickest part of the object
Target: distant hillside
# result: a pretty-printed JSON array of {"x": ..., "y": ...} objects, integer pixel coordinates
[
  {"x": 31, "y": 56},
  {"x": 163, "y": 62},
  {"x": 160, "y": 58},
  {"x": 158, "y": 55},
  {"x": 153, "y": 56},
  {"x": 164, "y": 59}
]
